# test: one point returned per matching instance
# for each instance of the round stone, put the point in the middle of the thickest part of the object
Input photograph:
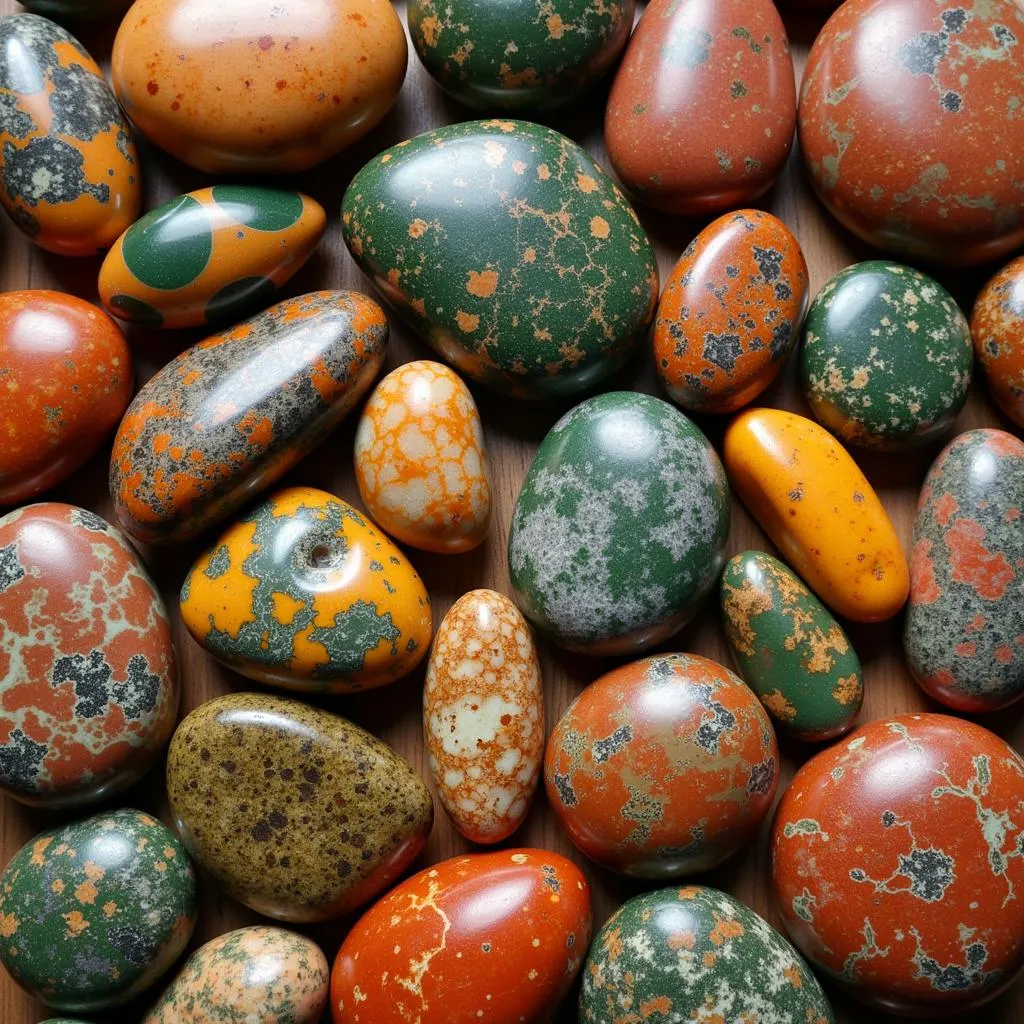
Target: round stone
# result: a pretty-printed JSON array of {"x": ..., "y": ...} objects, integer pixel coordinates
[{"x": 997, "y": 327}]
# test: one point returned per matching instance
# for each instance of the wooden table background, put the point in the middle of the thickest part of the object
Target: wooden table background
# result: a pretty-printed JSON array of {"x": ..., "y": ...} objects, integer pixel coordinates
[{"x": 513, "y": 432}]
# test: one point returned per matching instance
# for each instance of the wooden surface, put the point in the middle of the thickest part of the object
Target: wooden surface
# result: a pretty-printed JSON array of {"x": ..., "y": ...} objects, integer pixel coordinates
[{"x": 513, "y": 433}]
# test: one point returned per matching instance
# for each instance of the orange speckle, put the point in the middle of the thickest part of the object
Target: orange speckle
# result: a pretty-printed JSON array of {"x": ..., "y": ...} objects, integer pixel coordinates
[
  {"x": 58, "y": 886},
  {"x": 86, "y": 893},
  {"x": 599, "y": 227},
  {"x": 76, "y": 924},
  {"x": 543, "y": 172},
  {"x": 467, "y": 322},
  {"x": 792, "y": 975},
  {"x": 38, "y": 849},
  {"x": 418, "y": 228},
  {"x": 585, "y": 183},
  {"x": 530, "y": 255},
  {"x": 8, "y": 925},
  {"x": 93, "y": 871},
  {"x": 682, "y": 940},
  {"x": 725, "y": 928},
  {"x": 482, "y": 284},
  {"x": 109, "y": 908},
  {"x": 556, "y": 27},
  {"x": 660, "y": 1005}
]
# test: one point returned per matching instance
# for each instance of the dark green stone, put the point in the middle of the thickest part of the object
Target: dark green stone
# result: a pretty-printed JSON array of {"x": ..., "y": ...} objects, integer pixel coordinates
[
  {"x": 248, "y": 293},
  {"x": 170, "y": 246},
  {"x": 77, "y": 10},
  {"x": 135, "y": 311},
  {"x": 264, "y": 209}
]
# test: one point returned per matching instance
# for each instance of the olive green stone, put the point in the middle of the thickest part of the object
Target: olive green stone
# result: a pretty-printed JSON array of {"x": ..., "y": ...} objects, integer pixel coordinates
[
  {"x": 789, "y": 648},
  {"x": 886, "y": 357},
  {"x": 509, "y": 250}
]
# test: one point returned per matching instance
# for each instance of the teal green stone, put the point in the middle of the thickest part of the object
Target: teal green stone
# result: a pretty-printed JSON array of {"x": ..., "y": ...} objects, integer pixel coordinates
[
  {"x": 886, "y": 357},
  {"x": 789, "y": 648},
  {"x": 136, "y": 311},
  {"x": 95, "y": 912},
  {"x": 77, "y": 10},
  {"x": 696, "y": 954},
  {"x": 619, "y": 530},
  {"x": 264, "y": 209},
  {"x": 170, "y": 246},
  {"x": 247, "y": 293},
  {"x": 509, "y": 250}
]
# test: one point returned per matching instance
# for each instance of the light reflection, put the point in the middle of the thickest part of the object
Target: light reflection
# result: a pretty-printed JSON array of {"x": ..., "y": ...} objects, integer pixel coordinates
[
  {"x": 487, "y": 912},
  {"x": 39, "y": 331},
  {"x": 983, "y": 470},
  {"x": 262, "y": 972},
  {"x": 310, "y": 19},
  {"x": 625, "y": 434}
]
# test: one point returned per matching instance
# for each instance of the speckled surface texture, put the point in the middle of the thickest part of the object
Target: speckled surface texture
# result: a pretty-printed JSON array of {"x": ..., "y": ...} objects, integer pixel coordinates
[{"x": 997, "y": 327}]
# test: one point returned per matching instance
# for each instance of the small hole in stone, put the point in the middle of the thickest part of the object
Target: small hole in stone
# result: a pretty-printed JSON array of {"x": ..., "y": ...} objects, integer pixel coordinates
[{"x": 320, "y": 556}]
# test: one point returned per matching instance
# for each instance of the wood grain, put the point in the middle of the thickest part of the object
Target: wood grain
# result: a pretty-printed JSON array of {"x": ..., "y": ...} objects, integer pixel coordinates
[{"x": 513, "y": 433}]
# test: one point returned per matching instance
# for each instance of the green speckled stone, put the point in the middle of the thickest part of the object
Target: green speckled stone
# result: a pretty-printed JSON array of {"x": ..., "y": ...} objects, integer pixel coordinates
[
  {"x": 620, "y": 527},
  {"x": 509, "y": 250},
  {"x": 886, "y": 357},
  {"x": 696, "y": 954},
  {"x": 77, "y": 10},
  {"x": 788, "y": 647},
  {"x": 93, "y": 913}
]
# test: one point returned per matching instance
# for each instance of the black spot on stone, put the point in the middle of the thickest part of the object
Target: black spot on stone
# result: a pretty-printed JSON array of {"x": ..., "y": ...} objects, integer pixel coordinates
[
  {"x": 11, "y": 569},
  {"x": 277, "y": 819},
  {"x": 930, "y": 872},
  {"x": 20, "y": 760},
  {"x": 769, "y": 262},
  {"x": 48, "y": 170},
  {"x": 711, "y": 729},
  {"x": 762, "y": 776},
  {"x": 1004, "y": 36},
  {"x": 722, "y": 349},
  {"x": 139, "y": 693},
  {"x": 15, "y": 121},
  {"x": 731, "y": 271},
  {"x": 83, "y": 105},
  {"x": 603, "y": 749},
  {"x": 889, "y": 819},
  {"x": 954, "y": 20},
  {"x": 261, "y": 831},
  {"x": 134, "y": 945},
  {"x": 951, "y": 102},
  {"x": 565, "y": 791},
  {"x": 955, "y": 977},
  {"x": 91, "y": 679},
  {"x": 781, "y": 334},
  {"x": 921, "y": 55},
  {"x": 783, "y": 292},
  {"x": 343, "y": 868},
  {"x": 89, "y": 521}
]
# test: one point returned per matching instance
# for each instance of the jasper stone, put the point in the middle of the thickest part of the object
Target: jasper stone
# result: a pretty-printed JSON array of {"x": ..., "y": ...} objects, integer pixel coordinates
[
  {"x": 77, "y": 10},
  {"x": 997, "y": 328},
  {"x": 296, "y": 812},
  {"x": 964, "y": 632},
  {"x": 88, "y": 681},
  {"x": 722, "y": 65},
  {"x": 231, "y": 415},
  {"x": 508, "y": 249},
  {"x": 731, "y": 312},
  {"x": 666, "y": 953},
  {"x": 214, "y": 255},
  {"x": 69, "y": 177},
  {"x": 619, "y": 530},
  {"x": 909, "y": 125},
  {"x": 495, "y": 55},
  {"x": 886, "y": 357},
  {"x": 95, "y": 912},
  {"x": 789, "y": 649},
  {"x": 305, "y": 593}
]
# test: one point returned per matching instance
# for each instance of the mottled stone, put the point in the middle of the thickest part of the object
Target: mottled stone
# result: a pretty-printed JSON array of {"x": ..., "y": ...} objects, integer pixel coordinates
[{"x": 997, "y": 328}]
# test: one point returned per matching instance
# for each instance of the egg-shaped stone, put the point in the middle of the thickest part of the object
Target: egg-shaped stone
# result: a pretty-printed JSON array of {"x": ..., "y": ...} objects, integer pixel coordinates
[
  {"x": 420, "y": 459},
  {"x": 698, "y": 954},
  {"x": 997, "y": 329},
  {"x": 88, "y": 681},
  {"x": 297, "y": 813},
  {"x": 730, "y": 312},
  {"x": 258, "y": 86},
  {"x": 702, "y": 111},
  {"x": 67, "y": 380},
  {"x": 210, "y": 256},
  {"x": 506, "y": 247},
  {"x": 95, "y": 912},
  {"x": 305, "y": 593},
  {"x": 252, "y": 975},
  {"x": 483, "y": 716},
  {"x": 909, "y": 127},
  {"x": 494, "y": 937},
  {"x": 663, "y": 767},
  {"x": 789, "y": 649},
  {"x": 964, "y": 630},
  {"x": 77, "y": 10},
  {"x": 229, "y": 416},
  {"x": 69, "y": 177},
  {"x": 619, "y": 530}
]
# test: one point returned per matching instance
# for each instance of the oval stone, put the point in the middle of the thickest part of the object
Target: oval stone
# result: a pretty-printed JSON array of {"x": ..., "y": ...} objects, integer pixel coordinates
[
  {"x": 95, "y": 912},
  {"x": 258, "y": 86},
  {"x": 69, "y": 178},
  {"x": 731, "y": 312},
  {"x": 663, "y": 767},
  {"x": 77, "y": 10},
  {"x": 789, "y": 649},
  {"x": 305, "y": 593},
  {"x": 421, "y": 464},
  {"x": 229, "y": 416},
  {"x": 964, "y": 632},
  {"x": 483, "y": 716},
  {"x": 722, "y": 64},
  {"x": 69, "y": 380},
  {"x": 210, "y": 256},
  {"x": 88, "y": 681},
  {"x": 494, "y": 936},
  {"x": 997, "y": 327},
  {"x": 297, "y": 813},
  {"x": 509, "y": 250},
  {"x": 619, "y": 530}
]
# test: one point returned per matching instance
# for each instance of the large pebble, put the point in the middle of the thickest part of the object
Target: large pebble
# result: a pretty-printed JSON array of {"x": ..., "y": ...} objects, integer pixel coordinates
[{"x": 997, "y": 328}]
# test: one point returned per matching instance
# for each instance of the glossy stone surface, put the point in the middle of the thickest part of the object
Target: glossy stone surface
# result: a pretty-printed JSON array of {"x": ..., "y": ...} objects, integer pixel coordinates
[
  {"x": 420, "y": 459},
  {"x": 304, "y": 593},
  {"x": 258, "y": 86},
  {"x": 495, "y": 937},
  {"x": 908, "y": 128},
  {"x": 77, "y": 10},
  {"x": 619, "y": 530},
  {"x": 483, "y": 716},
  {"x": 886, "y": 357},
  {"x": 724, "y": 65},
  {"x": 897, "y": 868},
  {"x": 231, "y": 415},
  {"x": 699, "y": 954},
  {"x": 296, "y": 812},
  {"x": 95, "y": 912},
  {"x": 88, "y": 681},
  {"x": 819, "y": 510},
  {"x": 730, "y": 313},
  {"x": 509, "y": 250},
  {"x": 210, "y": 256},
  {"x": 67, "y": 374},
  {"x": 248, "y": 976},
  {"x": 663, "y": 767},
  {"x": 964, "y": 631},
  {"x": 997, "y": 327},
  {"x": 789, "y": 649}
]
